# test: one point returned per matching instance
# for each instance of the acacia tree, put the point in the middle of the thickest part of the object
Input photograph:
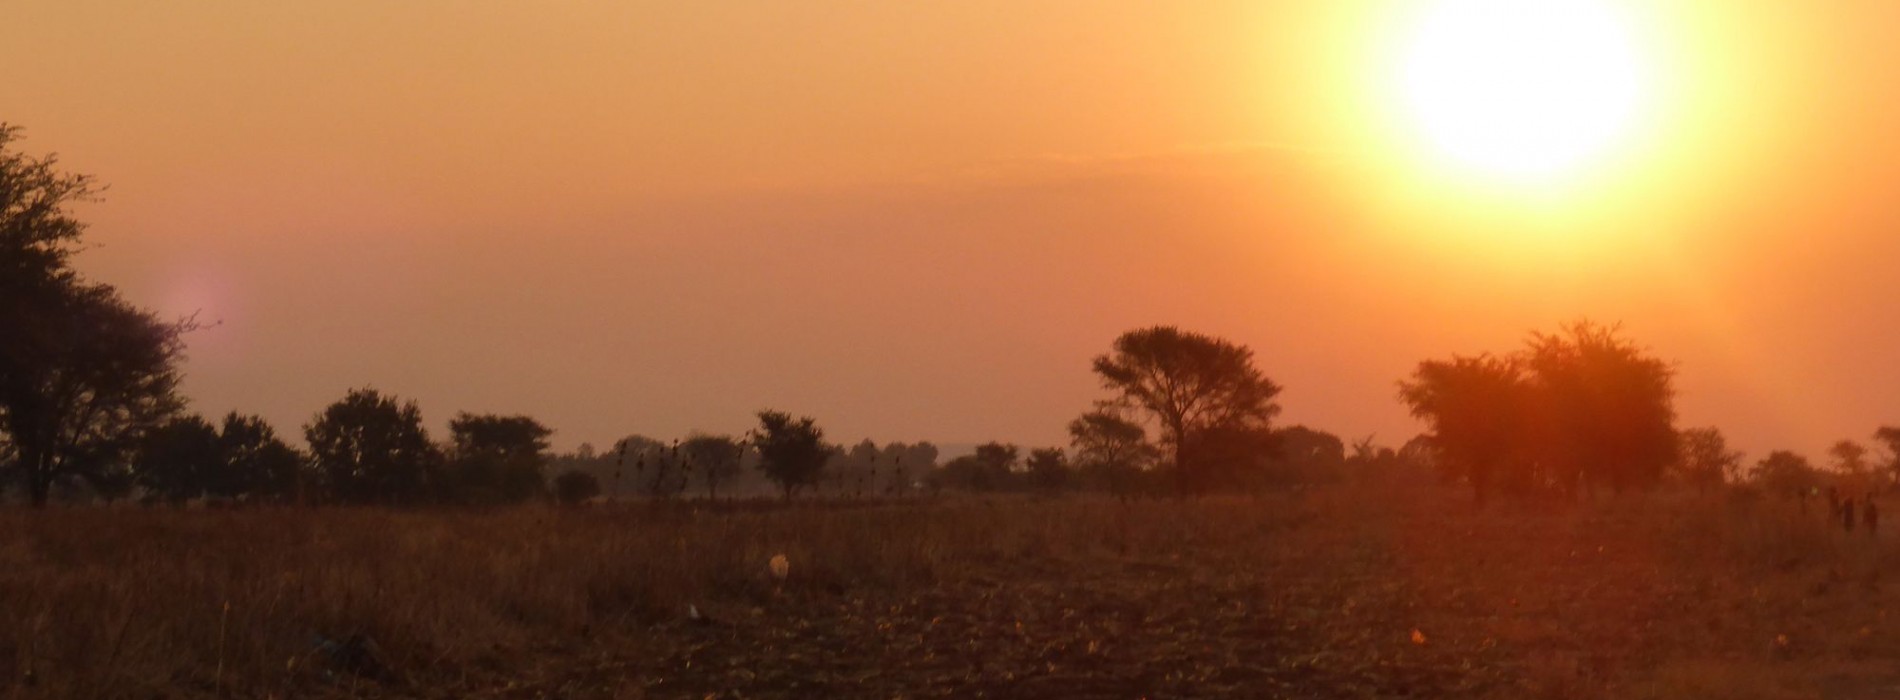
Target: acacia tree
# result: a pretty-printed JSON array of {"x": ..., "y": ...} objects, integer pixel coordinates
[
  {"x": 1190, "y": 385},
  {"x": 82, "y": 372},
  {"x": 371, "y": 449},
  {"x": 792, "y": 453},
  {"x": 85, "y": 375}
]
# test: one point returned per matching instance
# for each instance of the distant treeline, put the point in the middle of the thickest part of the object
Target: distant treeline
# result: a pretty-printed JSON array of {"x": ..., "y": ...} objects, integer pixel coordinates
[{"x": 89, "y": 410}]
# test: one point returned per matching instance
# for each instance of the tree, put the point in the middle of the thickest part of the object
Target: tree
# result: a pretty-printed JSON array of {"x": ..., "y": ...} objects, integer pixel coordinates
[
  {"x": 256, "y": 462},
  {"x": 996, "y": 465},
  {"x": 1786, "y": 472},
  {"x": 1704, "y": 459},
  {"x": 792, "y": 453},
  {"x": 1189, "y": 384},
  {"x": 1308, "y": 456},
  {"x": 1578, "y": 407},
  {"x": 1849, "y": 457},
  {"x": 177, "y": 461},
  {"x": 715, "y": 457},
  {"x": 87, "y": 374},
  {"x": 1049, "y": 468},
  {"x": 1473, "y": 406},
  {"x": 82, "y": 372},
  {"x": 1111, "y": 449},
  {"x": 903, "y": 462},
  {"x": 641, "y": 464},
  {"x": 1889, "y": 437},
  {"x": 1608, "y": 406},
  {"x": 497, "y": 459},
  {"x": 575, "y": 487},
  {"x": 370, "y": 449}
]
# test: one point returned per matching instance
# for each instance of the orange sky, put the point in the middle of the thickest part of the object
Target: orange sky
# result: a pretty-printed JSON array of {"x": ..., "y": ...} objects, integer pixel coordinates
[{"x": 920, "y": 221}]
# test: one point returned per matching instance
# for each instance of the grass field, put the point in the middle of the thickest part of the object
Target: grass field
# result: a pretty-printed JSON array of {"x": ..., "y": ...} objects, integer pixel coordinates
[{"x": 1379, "y": 592}]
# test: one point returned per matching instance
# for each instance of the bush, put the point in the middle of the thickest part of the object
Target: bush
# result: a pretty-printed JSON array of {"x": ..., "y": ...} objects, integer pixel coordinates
[{"x": 575, "y": 486}]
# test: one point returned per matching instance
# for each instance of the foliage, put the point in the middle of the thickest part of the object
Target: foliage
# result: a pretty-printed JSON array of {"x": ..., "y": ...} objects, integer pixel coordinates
[
  {"x": 258, "y": 463},
  {"x": 791, "y": 452},
  {"x": 1475, "y": 408},
  {"x": 180, "y": 459},
  {"x": 1110, "y": 450},
  {"x": 1190, "y": 385},
  {"x": 714, "y": 457},
  {"x": 1307, "y": 456},
  {"x": 1048, "y": 469},
  {"x": 1786, "y": 472},
  {"x": 82, "y": 372},
  {"x": 575, "y": 487},
  {"x": 497, "y": 459},
  {"x": 370, "y": 449},
  {"x": 1579, "y": 407},
  {"x": 1703, "y": 458},
  {"x": 1849, "y": 457}
]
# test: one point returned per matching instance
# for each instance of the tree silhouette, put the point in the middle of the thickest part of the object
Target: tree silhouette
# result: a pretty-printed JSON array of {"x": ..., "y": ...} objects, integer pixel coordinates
[
  {"x": 574, "y": 487},
  {"x": 1306, "y": 455},
  {"x": 996, "y": 465},
  {"x": 792, "y": 453},
  {"x": 1849, "y": 457},
  {"x": 1786, "y": 472},
  {"x": 715, "y": 458},
  {"x": 1049, "y": 468},
  {"x": 1578, "y": 407},
  {"x": 1111, "y": 449},
  {"x": 1608, "y": 408},
  {"x": 256, "y": 462},
  {"x": 82, "y": 372},
  {"x": 370, "y": 449},
  {"x": 1189, "y": 384},
  {"x": 497, "y": 459},
  {"x": 1889, "y": 438},
  {"x": 1704, "y": 459},
  {"x": 177, "y": 461},
  {"x": 1474, "y": 407}
]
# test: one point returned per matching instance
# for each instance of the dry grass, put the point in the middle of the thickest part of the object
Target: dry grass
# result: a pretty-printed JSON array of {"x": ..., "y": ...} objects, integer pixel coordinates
[{"x": 1293, "y": 596}]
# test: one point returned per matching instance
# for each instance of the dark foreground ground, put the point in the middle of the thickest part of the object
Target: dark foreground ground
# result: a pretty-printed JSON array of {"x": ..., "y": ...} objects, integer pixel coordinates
[{"x": 1339, "y": 593}]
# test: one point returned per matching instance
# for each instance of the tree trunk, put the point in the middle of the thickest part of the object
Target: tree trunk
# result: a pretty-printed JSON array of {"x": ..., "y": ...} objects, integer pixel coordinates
[{"x": 39, "y": 473}]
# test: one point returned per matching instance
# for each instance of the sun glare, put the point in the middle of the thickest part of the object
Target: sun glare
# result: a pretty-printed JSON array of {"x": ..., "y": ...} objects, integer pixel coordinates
[{"x": 1524, "y": 90}]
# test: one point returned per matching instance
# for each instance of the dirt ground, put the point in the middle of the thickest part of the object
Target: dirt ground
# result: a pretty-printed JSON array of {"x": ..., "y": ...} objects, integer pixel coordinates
[
  {"x": 1336, "y": 593},
  {"x": 1330, "y": 598}
]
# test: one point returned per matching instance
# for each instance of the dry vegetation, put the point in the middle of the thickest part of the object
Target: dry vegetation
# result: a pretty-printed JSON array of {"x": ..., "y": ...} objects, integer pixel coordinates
[{"x": 1317, "y": 595}]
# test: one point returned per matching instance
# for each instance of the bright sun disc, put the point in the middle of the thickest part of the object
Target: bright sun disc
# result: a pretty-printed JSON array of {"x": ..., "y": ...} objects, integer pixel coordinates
[{"x": 1523, "y": 89}]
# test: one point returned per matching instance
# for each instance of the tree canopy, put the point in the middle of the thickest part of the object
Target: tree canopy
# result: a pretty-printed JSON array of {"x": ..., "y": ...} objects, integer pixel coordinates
[
  {"x": 368, "y": 448},
  {"x": 497, "y": 459},
  {"x": 1202, "y": 392},
  {"x": 1582, "y": 406},
  {"x": 792, "y": 452},
  {"x": 83, "y": 373}
]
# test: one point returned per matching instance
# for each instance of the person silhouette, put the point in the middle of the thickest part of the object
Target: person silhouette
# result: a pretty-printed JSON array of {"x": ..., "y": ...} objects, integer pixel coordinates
[{"x": 1847, "y": 515}]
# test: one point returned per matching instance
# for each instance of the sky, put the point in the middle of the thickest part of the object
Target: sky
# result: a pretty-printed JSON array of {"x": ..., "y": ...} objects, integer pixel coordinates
[{"x": 921, "y": 220}]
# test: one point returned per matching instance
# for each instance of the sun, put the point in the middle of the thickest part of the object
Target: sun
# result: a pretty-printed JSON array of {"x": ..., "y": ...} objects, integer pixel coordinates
[{"x": 1525, "y": 90}]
